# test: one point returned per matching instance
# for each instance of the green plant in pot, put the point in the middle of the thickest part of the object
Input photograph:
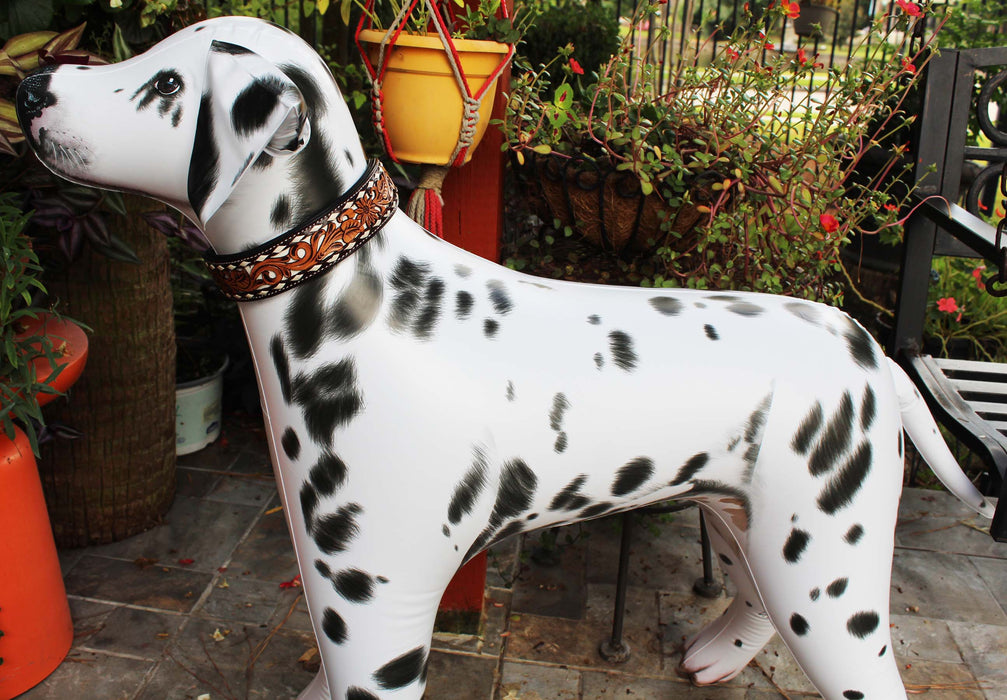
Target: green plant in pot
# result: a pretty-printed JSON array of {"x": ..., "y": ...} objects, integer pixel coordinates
[{"x": 740, "y": 161}]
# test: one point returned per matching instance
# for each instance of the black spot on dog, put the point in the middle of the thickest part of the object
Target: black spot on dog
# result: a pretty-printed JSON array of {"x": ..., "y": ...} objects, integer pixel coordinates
[
  {"x": 815, "y": 593},
  {"x": 512, "y": 528},
  {"x": 796, "y": 543},
  {"x": 594, "y": 319},
  {"x": 304, "y": 318},
  {"x": 804, "y": 311},
  {"x": 312, "y": 93},
  {"x": 862, "y": 624},
  {"x": 595, "y": 510},
  {"x": 428, "y": 316},
  {"x": 355, "y": 693},
  {"x": 726, "y": 559},
  {"x": 227, "y": 47},
  {"x": 315, "y": 178},
  {"x": 309, "y": 503},
  {"x": 279, "y": 216},
  {"x": 561, "y": 443},
  {"x": 666, "y": 305},
  {"x": 357, "y": 306},
  {"x": 559, "y": 406},
  {"x": 408, "y": 279},
  {"x": 853, "y": 695},
  {"x": 334, "y": 626},
  {"x": 463, "y": 305},
  {"x": 835, "y": 439},
  {"x": 745, "y": 308},
  {"x": 843, "y": 486},
  {"x": 517, "y": 486},
  {"x": 468, "y": 490},
  {"x": 328, "y": 474},
  {"x": 622, "y": 350},
  {"x": 510, "y": 391},
  {"x": 854, "y": 534},
  {"x": 799, "y": 625},
  {"x": 402, "y": 670},
  {"x": 329, "y": 398},
  {"x": 711, "y": 332},
  {"x": 599, "y": 361},
  {"x": 282, "y": 365},
  {"x": 204, "y": 166},
  {"x": 176, "y": 116},
  {"x": 690, "y": 468},
  {"x": 902, "y": 445},
  {"x": 490, "y": 328},
  {"x": 263, "y": 161},
  {"x": 837, "y": 587},
  {"x": 757, "y": 421},
  {"x": 291, "y": 443},
  {"x": 738, "y": 643},
  {"x": 868, "y": 409},
  {"x": 807, "y": 430},
  {"x": 254, "y": 104},
  {"x": 334, "y": 532},
  {"x": 712, "y": 487},
  {"x": 861, "y": 344},
  {"x": 445, "y": 530},
  {"x": 632, "y": 476},
  {"x": 883, "y": 650},
  {"x": 569, "y": 498},
  {"x": 354, "y": 585},
  {"x": 499, "y": 298},
  {"x": 463, "y": 271}
]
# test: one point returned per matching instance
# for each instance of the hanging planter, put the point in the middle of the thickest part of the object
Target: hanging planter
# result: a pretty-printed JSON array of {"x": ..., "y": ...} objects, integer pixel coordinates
[
  {"x": 422, "y": 108},
  {"x": 431, "y": 93}
]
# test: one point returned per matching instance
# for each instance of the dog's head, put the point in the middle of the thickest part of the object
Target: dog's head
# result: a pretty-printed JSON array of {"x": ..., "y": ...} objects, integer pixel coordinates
[{"x": 185, "y": 121}]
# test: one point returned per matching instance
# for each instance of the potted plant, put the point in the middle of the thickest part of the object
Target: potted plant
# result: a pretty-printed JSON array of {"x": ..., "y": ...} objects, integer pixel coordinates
[
  {"x": 736, "y": 174},
  {"x": 434, "y": 65},
  {"x": 41, "y": 355},
  {"x": 817, "y": 19}
]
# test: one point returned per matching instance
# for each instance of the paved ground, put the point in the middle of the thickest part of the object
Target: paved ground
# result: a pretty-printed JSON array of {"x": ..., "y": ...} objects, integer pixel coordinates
[{"x": 152, "y": 626}]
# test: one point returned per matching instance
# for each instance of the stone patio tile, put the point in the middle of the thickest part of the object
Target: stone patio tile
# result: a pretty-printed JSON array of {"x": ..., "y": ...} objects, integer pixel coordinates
[
  {"x": 266, "y": 553},
  {"x": 503, "y": 562},
  {"x": 918, "y": 638},
  {"x": 994, "y": 575},
  {"x": 940, "y": 681},
  {"x": 937, "y": 521},
  {"x": 193, "y": 529},
  {"x": 520, "y": 681},
  {"x": 152, "y": 586},
  {"x": 92, "y": 675},
  {"x": 983, "y": 648},
  {"x": 88, "y": 618},
  {"x": 242, "y": 599},
  {"x": 460, "y": 677},
  {"x": 617, "y": 686},
  {"x": 562, "y": 641},
  {"x": 683, "y": 615},
  {"x": 253, "y": 462},
  {"x": 553, "y": 590},
  {"x": 942, "y": 586},
  {"x": 296, "y": 620},
  {"x": 194, "y": 483},
  {"x": 245, "y": 489},
  {"x": 219, "y": 455},
  {"x": 135, "y": 632},
  {"x": 495, "y": 621}
]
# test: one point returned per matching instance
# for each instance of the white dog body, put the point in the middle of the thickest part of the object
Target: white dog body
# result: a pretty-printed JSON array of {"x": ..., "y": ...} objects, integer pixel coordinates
[{"x": 422, "y": 403}]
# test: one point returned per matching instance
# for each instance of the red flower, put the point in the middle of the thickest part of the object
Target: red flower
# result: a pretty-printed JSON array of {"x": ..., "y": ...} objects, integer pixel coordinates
[
  {"x": 947, "y": 305},
  {"x": 829, "y": 223},
  {"x": 978, "y": 274},
  {"x": 792, "y": 10},
  {"x": 802, "y": 57},
  {"x": 732, "y": 54},
  {"x": 910, "y": 8},
  {"x": 575, "y": 67},
  {"x": 292, "y": 583},
  {"x": 891, "y": 207},
  {"x": 770, "y": 46},
  {"x": 907, "y": 66}
]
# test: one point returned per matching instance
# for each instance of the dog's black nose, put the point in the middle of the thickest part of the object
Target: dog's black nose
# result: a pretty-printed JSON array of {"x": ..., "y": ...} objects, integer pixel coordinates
[{"x": 33, "y": 96}]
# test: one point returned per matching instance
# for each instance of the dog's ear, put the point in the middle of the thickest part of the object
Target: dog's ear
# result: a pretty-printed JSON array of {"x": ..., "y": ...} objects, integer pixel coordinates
[{"x": 249, "y": 107}]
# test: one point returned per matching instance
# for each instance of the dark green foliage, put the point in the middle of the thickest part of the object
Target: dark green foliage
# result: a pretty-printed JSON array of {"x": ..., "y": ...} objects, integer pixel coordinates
[{"x": 592, "y": 28}]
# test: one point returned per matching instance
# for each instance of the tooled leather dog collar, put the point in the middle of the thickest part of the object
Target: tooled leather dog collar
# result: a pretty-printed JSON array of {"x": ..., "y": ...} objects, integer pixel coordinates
[{"x": 300, "y": 255}]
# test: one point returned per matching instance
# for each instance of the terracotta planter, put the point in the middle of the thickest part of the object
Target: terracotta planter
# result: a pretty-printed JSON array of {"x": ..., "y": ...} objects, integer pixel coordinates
[{"x": 423, "y": 106}]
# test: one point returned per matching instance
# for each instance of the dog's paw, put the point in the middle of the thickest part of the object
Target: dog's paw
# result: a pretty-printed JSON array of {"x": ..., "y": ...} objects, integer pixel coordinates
[{"x": 723, "y": 649}]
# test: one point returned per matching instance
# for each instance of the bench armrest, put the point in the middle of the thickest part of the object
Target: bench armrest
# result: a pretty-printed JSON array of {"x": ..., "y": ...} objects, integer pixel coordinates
[{"x": 960, "y": 223}]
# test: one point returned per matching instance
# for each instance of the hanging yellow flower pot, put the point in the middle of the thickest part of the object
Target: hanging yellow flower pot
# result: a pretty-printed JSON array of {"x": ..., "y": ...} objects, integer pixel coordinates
[{"x": 422, "y": 109}]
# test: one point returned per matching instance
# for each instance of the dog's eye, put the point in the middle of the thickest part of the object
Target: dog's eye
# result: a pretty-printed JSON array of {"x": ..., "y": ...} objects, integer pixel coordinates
[{"x": 168, "y": 84}]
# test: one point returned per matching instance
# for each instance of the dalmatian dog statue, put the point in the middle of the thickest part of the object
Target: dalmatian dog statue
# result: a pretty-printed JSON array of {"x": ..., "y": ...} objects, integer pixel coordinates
[{"x": 422, "y": 403}]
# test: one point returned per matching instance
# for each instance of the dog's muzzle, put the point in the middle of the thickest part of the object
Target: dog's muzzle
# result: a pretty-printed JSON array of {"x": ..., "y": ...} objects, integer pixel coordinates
[{"x": 33, "y": 96}]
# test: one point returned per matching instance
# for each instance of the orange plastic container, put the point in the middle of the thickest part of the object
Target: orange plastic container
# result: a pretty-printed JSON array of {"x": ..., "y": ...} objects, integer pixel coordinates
[{"x": 34, "y": 613}]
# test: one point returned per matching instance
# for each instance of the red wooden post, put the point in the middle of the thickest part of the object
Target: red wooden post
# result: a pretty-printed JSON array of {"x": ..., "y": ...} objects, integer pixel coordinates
[{"x": 473, "y": 220}]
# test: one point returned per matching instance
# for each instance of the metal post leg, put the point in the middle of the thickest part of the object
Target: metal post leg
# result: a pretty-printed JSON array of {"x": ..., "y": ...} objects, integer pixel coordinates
[
  {"x": 707, "y": 586},
  {"x": 615, "y": 649}
]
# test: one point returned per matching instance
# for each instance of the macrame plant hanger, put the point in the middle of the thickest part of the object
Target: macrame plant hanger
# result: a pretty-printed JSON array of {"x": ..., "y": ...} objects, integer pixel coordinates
[{"x": 426, "y": 204}]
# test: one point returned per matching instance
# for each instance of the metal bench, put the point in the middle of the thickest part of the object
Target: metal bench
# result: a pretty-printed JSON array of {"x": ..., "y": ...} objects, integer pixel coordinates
[{"x": 969, "y": 398}]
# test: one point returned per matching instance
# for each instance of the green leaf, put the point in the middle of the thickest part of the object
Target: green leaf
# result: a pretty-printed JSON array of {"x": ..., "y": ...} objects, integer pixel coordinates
[
  {"x": 563, "y": 97},
  {"x": 543, "y": 149},
  {"x": 120, "y": 47},
  {"x": 29, "y": 15}
]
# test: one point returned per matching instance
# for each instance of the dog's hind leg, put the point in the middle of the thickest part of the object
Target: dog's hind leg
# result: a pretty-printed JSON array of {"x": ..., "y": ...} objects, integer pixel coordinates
[{"x": 723, "y": 648}]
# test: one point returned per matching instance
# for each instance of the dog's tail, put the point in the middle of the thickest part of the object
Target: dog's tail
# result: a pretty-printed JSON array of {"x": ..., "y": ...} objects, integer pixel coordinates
[{"x": 923, "y": 432}]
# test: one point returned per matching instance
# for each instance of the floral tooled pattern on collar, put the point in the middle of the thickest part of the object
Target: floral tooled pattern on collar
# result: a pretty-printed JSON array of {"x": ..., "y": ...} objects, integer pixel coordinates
[{"x": 303, "y": 254}]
